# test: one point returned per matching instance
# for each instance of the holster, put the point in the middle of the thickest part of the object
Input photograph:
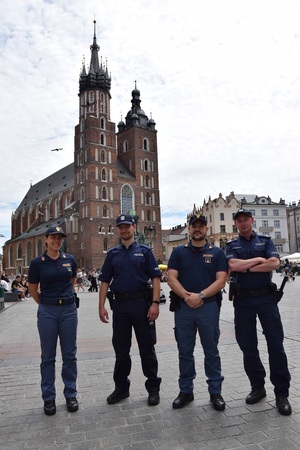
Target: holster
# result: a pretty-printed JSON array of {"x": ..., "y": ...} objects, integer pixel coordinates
[
  {"x": 277, "y": 293},
  {"x": 110, "y": 296},
  {"x": 76, "y": 299},
  {"x": 232, "y": 290},
  {"x": 174, "y": 301}
]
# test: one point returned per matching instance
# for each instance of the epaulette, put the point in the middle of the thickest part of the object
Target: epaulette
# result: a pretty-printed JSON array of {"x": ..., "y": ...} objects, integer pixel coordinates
[{"x": 263, "y": 236}]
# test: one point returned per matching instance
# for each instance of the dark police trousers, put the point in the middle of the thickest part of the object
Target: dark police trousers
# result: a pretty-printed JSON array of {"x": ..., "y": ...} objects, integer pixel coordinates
[
  {"x": 128, "y": 314},
  {"x": 265, "y": 307}
]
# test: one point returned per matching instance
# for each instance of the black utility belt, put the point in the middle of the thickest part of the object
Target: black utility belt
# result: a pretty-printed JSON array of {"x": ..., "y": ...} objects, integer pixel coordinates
[
  {"x": 57, "y": 301},
  {"x": 130, "y": 295},
  {"x": 251, "y": 293}
]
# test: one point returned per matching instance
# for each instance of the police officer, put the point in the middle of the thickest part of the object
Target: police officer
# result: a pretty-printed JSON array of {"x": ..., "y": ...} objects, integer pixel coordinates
[
  {"x": 252, "y": 258},
  {"x": 51, "y": 279},
  {"x": 128, "y": 267},
  {"x": 197, "y": 273}
]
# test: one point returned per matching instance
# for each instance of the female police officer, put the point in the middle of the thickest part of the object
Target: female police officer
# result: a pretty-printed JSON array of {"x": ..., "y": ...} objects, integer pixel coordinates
[{"x": 51, "y": 280}]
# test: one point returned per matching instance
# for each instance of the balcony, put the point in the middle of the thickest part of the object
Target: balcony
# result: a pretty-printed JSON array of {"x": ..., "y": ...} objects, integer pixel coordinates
[{"x": 266, "y": 229}]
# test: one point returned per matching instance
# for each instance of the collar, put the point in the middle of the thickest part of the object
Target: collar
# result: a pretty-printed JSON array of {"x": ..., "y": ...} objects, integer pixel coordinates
[{"x": 45, "y": 256}]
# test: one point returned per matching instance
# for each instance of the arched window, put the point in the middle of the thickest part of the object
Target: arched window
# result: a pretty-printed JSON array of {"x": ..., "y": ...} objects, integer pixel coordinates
[
  {"x": 103, "y": 156},
  {"x": 102, "y": 139},
  {"x": 104, "y": 211},
  {"x": 105, "y": 245},
  {"x": 102, "y": 123},
  {"x": 147, "y": 199},
  {"x": 104, "y": 193},
  {"x": 39, "y": 248},
  {"x": 126, "y": 199},
  {"x": 28, "y": 257},
  {"x": 11, "y": 256},
  {"x": 110, "y": 228},
  {"x": 101, "y": 228},
  {"x": 125, "y": 146},
  {"x": 146, "y": 144},
  {"x": 19, "y": 251},
  {"x": 82, "y": 196},
  {"x": 147, "y": 181},
  {"x": 148, "y": 215},
  {"x": 146, "y": 165},
  {"x": 81, "y": 141},
  {"x": 103, "y": 175}
]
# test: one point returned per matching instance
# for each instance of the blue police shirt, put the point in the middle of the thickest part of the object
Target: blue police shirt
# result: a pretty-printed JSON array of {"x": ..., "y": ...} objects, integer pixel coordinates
[
  {"x": 54, "y": 275},
  {"x": 197, "y": 266},
  {"x": 242, "y": 248},
  {"x": 129, "y": 268}
]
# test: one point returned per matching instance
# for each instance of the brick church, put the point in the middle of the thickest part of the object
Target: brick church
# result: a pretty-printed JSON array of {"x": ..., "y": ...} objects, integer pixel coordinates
[{"x": 113, "y": 172}]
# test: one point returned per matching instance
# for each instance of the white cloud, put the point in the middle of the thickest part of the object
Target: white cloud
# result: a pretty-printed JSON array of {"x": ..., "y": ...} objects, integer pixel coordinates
[{"x": 221, "y": 79}]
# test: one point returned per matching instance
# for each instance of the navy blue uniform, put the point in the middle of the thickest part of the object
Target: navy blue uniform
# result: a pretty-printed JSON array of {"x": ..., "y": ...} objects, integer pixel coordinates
[
  {"x": 57, "y": 317},
  {"x": 129, "y": 270},
  {"x": 197, "y": 268},
  {"x": 254, "y": 299}
]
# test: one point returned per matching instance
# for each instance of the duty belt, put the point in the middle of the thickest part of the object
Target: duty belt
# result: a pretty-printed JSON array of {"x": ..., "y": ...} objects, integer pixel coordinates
[
  {"x": 250, "y": 293},
  {"x": 130, "y": 295},
  {"x": 57, "y": 301}
]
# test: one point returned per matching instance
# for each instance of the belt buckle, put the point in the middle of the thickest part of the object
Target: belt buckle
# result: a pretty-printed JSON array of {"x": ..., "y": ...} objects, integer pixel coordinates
[{"x": 60, "y": 301}]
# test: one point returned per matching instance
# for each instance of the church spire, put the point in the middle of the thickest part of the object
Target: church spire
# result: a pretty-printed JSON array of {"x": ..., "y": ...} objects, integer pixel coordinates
[{"x": 97, "y": 76}]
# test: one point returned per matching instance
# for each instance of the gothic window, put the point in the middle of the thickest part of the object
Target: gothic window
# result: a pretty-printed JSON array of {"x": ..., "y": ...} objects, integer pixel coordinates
[
  {"x": 81, "y": 141},
  {"x": 81, "y": 176},
  {"x": 147, "y": 181},
  {"x": 146, "y": 167},
  {"x": 91, "y": 102},
  {"x": 19, "y": 252},
  {"x": 11, "y": 256},
  {"x": 104, "y": 211},
  {"x": 101, "y": 228},
  {"x": 102, "y": 139},
  {"x": 105, "y": 245},
  {"x": 125, "y": 146},
  {"x": 126, "y": 199},
  {"x": 39, "y": 247},
  {"x": 81, "y": 158},
  {"x": 148, "y": 215},
  {"x": 102, "y": 123},
  {"x": 82, "y": 196},
  {"x": 147, "y": 198},
  {"x": 103, "y": 156},
  {"x": 103, "y": 175},
  {"x": 146, "y": 144},
  {"x": 98, "y": 211},
  {"x": 104, "y": 193},
  {"x": 56, "y": 208},
  {"x": 110, "y": 228},
  {"x": 28, "y": 253}
]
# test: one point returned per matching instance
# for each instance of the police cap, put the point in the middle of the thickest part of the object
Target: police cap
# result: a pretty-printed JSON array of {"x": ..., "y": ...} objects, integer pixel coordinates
[
  {"x": 242, "y": 211},
  {"x": 124, "y": 218},
  {"x": 195, "y": 217},
  {"x": 55, "y": 230}
]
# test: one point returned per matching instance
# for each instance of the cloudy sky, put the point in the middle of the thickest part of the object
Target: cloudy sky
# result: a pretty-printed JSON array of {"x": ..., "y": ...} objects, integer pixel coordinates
[{"x": 220, "y": 77}]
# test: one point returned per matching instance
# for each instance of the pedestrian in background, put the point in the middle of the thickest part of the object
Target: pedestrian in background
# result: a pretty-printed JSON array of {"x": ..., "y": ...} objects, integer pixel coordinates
[
  {"x": 197, "y": 273},
  {"x": 128, "y": 267},
  {"x": 252, "y": 257},
  {"x": 51, "y": 279}
]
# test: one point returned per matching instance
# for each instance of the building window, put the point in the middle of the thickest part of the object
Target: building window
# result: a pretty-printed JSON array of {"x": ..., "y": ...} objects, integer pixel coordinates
[
  {"x": 126, "y": 199},
  {"x": 146, "y": 165},
  {"x": 222, "y": 216},
  {"x": 265, "y": 223},
  {"x": 146, "y": 144},
  {"x": 105, "y": 245},
  {"x": 104, "y": 193},
  {"x": 276, "y": 223},
  {"x": 264, "y": 212},
  {"x": 102, "y": 139},
  {"x": 102, "y": 123},
  {"x": 254, "y": 224},
  {"x": 279, "y": 248},
  {"x": 222, "y": 228},
  {"x": 252, "y": 211},
  {"x": 275, "y": 212},
  {"x": 277, "y": 234},
  {"x": 104, "y": 211},
  {"x": 125, "y": 146},
  {"x": 103, "y": 156},
  {"x": 147, "y": 199},
  {"x": 103, "y": 175}
]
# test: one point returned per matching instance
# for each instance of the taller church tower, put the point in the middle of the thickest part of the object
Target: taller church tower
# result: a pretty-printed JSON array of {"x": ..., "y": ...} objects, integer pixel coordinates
[{"x": 113, "y": 173}]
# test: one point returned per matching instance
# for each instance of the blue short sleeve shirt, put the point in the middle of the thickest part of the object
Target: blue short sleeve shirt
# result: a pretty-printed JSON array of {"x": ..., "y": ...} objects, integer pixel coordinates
[
  {"x": 53, "y": 275},
  {"x": 129, "y": 269},
  {"x": 197, "y": 267}
]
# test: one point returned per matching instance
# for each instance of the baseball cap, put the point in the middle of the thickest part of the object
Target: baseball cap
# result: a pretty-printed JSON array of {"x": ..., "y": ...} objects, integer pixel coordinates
[
  {"x": 195, "y": 217},
  {"x": 55, "y": 230},
  {"x": 242, "y": 211},
  {"x": 124, "y": 218}
]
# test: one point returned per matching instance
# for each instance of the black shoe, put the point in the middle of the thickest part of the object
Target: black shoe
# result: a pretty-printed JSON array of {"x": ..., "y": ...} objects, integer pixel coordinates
[
  {"x": 255, "y": 395},
  {"x": 153, "y": 399},
  {"x": 283, "y": 406},
  {"x": 72, "y": 404},
  {"x": 182, "y": 400},
  {"x": 116, "y": 396},
  {"x": 217, "y": 401},
  {"x": 49, "y": 407}
]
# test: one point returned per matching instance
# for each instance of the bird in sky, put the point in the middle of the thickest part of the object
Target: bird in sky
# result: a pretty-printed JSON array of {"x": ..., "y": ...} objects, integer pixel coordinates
[{"x": 56, "y": 149}]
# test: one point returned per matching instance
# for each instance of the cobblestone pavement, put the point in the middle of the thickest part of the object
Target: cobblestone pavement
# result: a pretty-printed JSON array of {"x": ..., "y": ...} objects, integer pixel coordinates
[{"x": 132, "y": 424}]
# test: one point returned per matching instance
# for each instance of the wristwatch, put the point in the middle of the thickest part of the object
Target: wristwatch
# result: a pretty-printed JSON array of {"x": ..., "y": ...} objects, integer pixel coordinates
[{"x": 201, "y": 295}]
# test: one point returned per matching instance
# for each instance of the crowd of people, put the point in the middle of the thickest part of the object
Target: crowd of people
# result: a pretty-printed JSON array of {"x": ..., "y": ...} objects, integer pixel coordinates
[{"x": 130, "y": 279}]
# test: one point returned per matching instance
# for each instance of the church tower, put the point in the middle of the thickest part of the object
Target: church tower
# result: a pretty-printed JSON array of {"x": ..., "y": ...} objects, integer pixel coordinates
[{"x": 95, "y": 164}]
